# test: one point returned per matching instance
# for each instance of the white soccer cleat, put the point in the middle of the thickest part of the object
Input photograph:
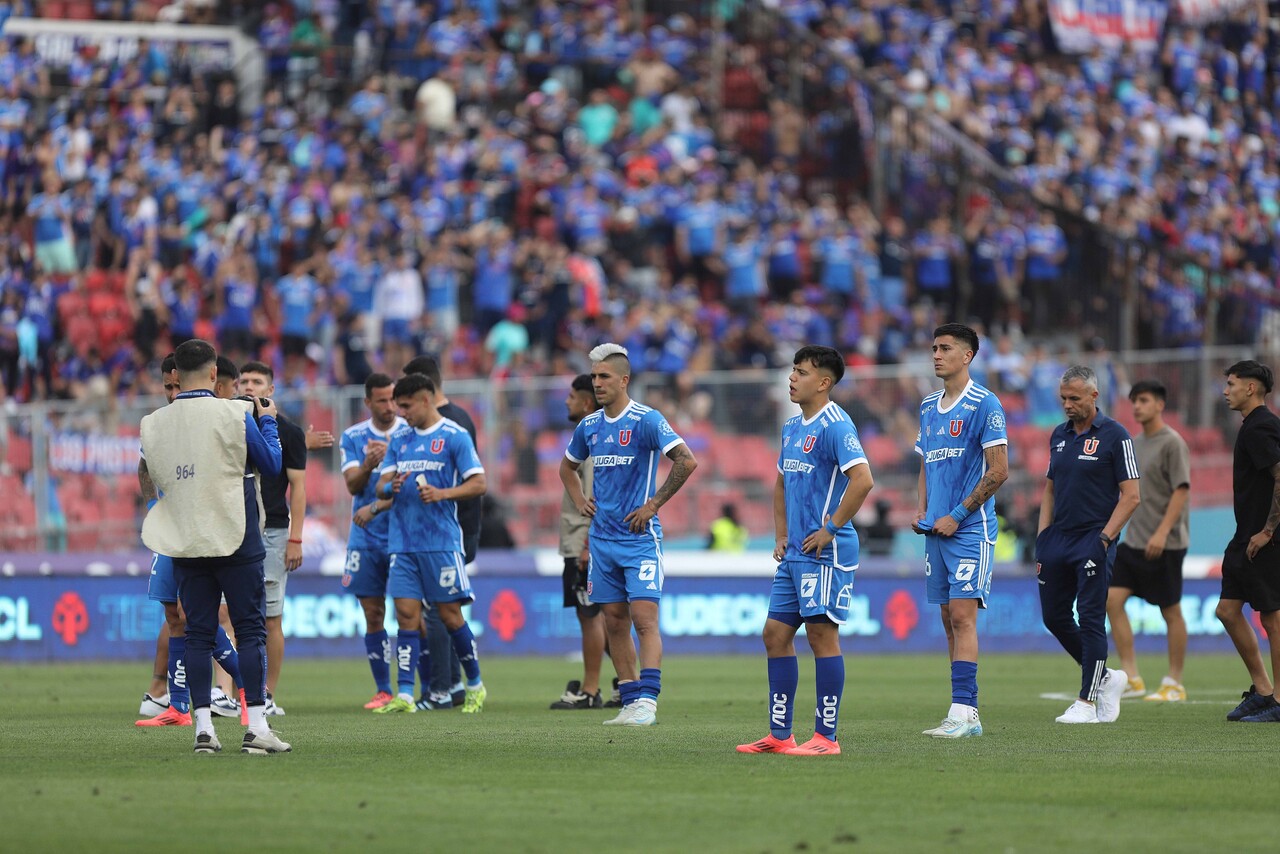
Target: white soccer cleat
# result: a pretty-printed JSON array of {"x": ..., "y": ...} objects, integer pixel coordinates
[
  {"x": 272, "y": 710},
  {"x": 966, "y": 726},
  {"x": 645, "y": 714},
  {"x": 1079, "y": 712},
  {"x": 623, "y": 716},
  {"x": 1109, "y": 693},
  {"x": 223, "y": 706},
  {"x": 257, "y": 744},
  {"x": 152, "y": 706}
]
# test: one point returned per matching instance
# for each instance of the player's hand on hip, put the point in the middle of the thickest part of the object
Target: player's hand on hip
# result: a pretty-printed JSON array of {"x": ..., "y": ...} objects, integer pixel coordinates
[
  {"x": 946, "y": 526},
  {"x": 818, "y": 540},
  {"x": 588, "y": 509},
  {"x": 1155, "y": 545},
  {"x": 639, "y": 518},
  {"x": 363, "y": 516},
  {"x": 779, "y": 548},
  {"x": 292, "y": 556}
]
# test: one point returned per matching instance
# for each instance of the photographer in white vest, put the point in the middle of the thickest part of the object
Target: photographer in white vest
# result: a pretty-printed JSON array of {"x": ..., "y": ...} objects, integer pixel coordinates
[{"x": 205, "y": 454}]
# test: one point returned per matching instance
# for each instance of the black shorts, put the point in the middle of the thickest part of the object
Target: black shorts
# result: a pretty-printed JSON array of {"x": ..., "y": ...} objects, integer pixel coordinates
[
  {"x": 1254, "y": 581},
  {"x": 1157, "y": 581},
  {"x": 575, "y": 588}
]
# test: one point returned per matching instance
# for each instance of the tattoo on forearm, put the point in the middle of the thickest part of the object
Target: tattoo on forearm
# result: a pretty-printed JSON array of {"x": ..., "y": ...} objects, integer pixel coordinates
[
  {"x": 997, "y": 473},
  {"x": 1273, "y": 518},
  {"x": 680, "y": 471},
  {"x": 148, "y": 487}
]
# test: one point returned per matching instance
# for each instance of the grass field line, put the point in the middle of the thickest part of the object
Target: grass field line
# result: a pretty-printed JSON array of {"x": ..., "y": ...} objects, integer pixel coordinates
[{"x": 1063, "y": 696}]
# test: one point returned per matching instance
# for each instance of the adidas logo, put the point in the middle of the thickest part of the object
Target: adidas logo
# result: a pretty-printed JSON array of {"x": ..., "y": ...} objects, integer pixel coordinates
[
  {"x": 453, "y": 590},
  {"x": 811, "y": 604},
  {"x": 420, "y": 448},
  {"x": 1089, "y": 565},
  {"x": 942, "y": 431},
  {"x": 968, "y": 588},
  {"x": 608, "y": 440},
  {"x": 651, "y": 586}
]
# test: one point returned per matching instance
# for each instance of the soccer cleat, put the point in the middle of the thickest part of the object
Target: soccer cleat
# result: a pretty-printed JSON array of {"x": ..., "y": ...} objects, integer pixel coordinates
[
  {"x": 152, "y": 706},
  {"x": 207, "y": 742},
  {"x": 435, "y": 702},
  {"x": 819, "y": 745},
  {"x": 1269, "y": 714},
  {"x": 957, "y": 728},
  {"x": 473, "y": 703},
  {"x": 624, "y": 715},
  {"x": 224, "y": 706},
  {"x": 1251, "y": 701},
  {"x": 257, "y": 744},
  {"x": 1109, "y": 692},
  {"x": 768, "y": 744},
  {"x": 615, "y": 699},
  {"x": 573, "y": 698},
  {"x": 379, "y": 700},
  {"x": 1168, "y": 692},
  {"x": 643, "y": 713},
  {"x": 399, "y": 704},
  {"x": 458, "y": 695},
  {"x": 169, "y": 717},
  {"x": 1134, "y": 689},
  {"x": 1079, "y": 712}
]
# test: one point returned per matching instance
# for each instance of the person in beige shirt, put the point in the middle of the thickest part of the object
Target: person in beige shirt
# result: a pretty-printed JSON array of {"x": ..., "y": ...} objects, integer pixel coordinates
[{"x": 1149, "y": 559}]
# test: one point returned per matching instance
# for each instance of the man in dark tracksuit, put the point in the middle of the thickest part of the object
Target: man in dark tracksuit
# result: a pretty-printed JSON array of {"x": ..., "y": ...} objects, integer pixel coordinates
[{"x": 1091, "y": 493}]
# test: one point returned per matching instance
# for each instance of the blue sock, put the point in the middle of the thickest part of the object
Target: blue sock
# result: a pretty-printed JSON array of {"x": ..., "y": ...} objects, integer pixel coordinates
[
  {"x": 226, "y": 656},
  {"x": 964, "y": 683},
  {"x": 829, "y": 673},
  {"x": 378, "y": 647},
  {"x": 650, "y": 683},
  {"x": 630, "y": 691},
  {"x": 464, "y": 643},
  {"x": 784, "y": 678},
  {"x": 424, "y": 664},
  {"x": 408, "y": 645},
  {"x": 179, "y": 691}
]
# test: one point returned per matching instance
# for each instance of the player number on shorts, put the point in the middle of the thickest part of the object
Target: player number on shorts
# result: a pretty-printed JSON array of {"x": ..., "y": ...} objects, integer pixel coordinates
[
  {"x": 353, "y": 561},
  {"x": 965, "y": 570},
  {"x": 185, "y": 472}
]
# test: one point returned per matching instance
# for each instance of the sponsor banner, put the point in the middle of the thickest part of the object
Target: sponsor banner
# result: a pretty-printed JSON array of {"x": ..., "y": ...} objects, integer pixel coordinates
[
  {"x": 57, "y": 41},
  {"x": 93, "y": 453},
  {"x": 1080, "y": 25},
  {"x": 84, "y": 618},
  {"x": 1199, "y": 12}
]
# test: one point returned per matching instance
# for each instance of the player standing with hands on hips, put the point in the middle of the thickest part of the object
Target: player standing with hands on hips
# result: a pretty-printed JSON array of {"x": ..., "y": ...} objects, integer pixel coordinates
[
  {"x": 817, "y": 549},
  {"x": 1091, "y": 492},
  {"x": 964, "y": 459},
  {"x": 623, "y": 440}
]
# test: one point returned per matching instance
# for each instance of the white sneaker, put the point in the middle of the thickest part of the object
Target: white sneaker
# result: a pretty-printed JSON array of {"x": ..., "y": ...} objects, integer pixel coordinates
[
  {"x": 623, "y": 716},
  {"x": 645, "y": 714},
  {"x": 958, "y": 724},
  {"x": 207, "y": 742},
  {"x": 1109, "y": 694},
  {"x": 224, "y": 706},
  {"x": 258, "y": 744},
  {"x": 272, "y": 710},
  {"x": 1079, "y": 712},
  {"x": 152, "y": 706}
]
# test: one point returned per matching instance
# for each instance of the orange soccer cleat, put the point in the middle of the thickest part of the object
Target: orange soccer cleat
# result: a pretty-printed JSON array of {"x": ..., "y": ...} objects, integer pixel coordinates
[
  {"x": 769, "y": 744},
  {"x": 819, "y": 745},
  {"x": 169, "y": 717}
]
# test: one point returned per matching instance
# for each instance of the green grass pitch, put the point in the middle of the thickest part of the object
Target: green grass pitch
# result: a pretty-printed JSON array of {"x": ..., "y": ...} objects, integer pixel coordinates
[{"x": 77, "y": 775}]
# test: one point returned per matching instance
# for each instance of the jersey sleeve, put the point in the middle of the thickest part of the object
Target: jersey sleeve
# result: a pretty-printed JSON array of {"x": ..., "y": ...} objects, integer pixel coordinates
[
  {"x": 1264, "y": 451},
  {"x": 352, "y": 456},
  {"x": 465, "y": 459},
  {"x": 658, "y": 433},
  {"x": 994, "y": 429},
  {"x": 293, "y": 444},
  {"x": 1124, "y": 462},
  {"x": 1179, "y": 464},
  {"x": 1052, "y": 455},
  {"x": 845, "y": 446},
  {"x": 920, "y": 434},
  {"x": 578, "y": 450},
  {"x": 782, "y": 446},
  {"x": 391, "y": 458}
]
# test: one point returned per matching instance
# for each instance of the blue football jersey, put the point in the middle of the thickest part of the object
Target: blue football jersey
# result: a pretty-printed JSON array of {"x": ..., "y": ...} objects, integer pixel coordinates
[
  {"x": 952, "y": 442},
  {"x": 624, "y": 454},
  {"x": 352, "y": 447},
  {"x": 446, "y": 456},
  {"x": 815, "y": 459}
]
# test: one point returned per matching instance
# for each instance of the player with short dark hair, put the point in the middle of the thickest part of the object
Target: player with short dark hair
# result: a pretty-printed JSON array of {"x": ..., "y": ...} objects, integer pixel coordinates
[
  {"x": 964, "y": 459},
  {"x": 817, "y": 550},
  {"x": 363, "y": 447},
  {"x": 1091, "y": 492},
  {"x": 1251, "y": 562},
  {"x": 1149, "y": 561},
  {"x": 624, "y": 440},
  {"x": 424, "y": 538}
]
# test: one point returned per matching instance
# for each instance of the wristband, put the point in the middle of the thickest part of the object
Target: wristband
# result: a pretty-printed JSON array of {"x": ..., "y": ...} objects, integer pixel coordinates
[
  {"x": 387, "y": 491},
  {"x": 960, "y": 513},
  {"x": 298, "y": 542},
  {"x": 830, "y": 528},
  {"x": 1102, "y": 535}
]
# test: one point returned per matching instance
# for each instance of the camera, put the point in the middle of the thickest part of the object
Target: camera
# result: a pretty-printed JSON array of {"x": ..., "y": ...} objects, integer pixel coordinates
[{"x": 263, "y": 402}]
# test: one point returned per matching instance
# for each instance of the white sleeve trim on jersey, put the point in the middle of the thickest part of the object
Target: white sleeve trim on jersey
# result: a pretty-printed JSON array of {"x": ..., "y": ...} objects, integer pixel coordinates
[
  {"x": 386, "y": 469},
  {"x": 994, "y": 442},
  {"x": 571, "y": 458},
  {"x": 477, "y": 470},
  {"x": 352, "y": 464},
  {"x": 669, "y": 446},
  {"x": 919, "y": 450},
  {"x": 861, "y": 461},
  {"x": 1130, "y": 461}
]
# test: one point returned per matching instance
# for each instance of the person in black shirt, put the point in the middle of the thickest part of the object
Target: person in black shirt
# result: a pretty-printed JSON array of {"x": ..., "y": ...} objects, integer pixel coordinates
[
  {"x": 444, "y": 685},
  {"x": 1251, "y": 563},
  {"x": 284, "y": 519}
]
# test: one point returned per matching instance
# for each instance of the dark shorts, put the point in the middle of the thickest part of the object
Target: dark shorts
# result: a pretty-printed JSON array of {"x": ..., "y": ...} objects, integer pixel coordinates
[
  {"x": 1157, "y": 581},
  {"x": 1254, "y": 581},
  {"x": 575, "y": 588},
  {"x": 294, "y": 345}
]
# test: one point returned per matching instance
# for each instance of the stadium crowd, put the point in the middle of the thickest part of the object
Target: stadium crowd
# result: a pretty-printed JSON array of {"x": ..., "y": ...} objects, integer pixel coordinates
[{"x": 508, "y": 183}]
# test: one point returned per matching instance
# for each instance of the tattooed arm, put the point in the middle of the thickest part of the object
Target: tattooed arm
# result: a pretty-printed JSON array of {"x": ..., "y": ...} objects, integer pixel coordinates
[
  {"x": 1260, "y": 540},
  {"x": 682, "y": 465},
  {"x": 997, "y": 460},
  {"x": 148, "y": 487}
]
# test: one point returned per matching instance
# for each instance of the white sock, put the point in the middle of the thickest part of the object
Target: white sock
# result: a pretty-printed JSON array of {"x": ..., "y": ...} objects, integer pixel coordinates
[
  {"x": 961, "y": 712},
  {"x": 404, "y": 696},
  {"x": 203, "y": 719},
  {"x": 258, "y": 720},
  {"x": 649, "y": 702}
]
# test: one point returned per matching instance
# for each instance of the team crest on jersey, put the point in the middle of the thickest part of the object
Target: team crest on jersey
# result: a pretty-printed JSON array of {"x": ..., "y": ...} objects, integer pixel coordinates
[
  {"x": 437, "y": 445},
  {"x": 624, "y": 437},
  {"x": 956, "y": 425},
  {"x": 809, "y": 442},
  {"x": 1090, "y": 446}
]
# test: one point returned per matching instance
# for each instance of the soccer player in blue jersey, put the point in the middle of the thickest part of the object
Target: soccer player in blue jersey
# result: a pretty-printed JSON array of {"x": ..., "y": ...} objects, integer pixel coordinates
[
  {"x": 964, "y": 458},
  {"x": 624, "y": 440},
  {"x": 426, "y": 470},
  {"x": 1091, "y": 492},
  {"x": 817, "y": 550},
  {"x": 363, "y": 447}
]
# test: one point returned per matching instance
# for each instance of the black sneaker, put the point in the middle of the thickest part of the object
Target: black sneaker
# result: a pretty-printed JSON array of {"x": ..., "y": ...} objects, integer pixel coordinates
[
  {"x": 434, "y": 702},
  {"x": 1268, "y": 714},
  {"x": 573, "y": 698},
  {"x": 615, "y": 701},
  {"x": 1250, "y": 702}
]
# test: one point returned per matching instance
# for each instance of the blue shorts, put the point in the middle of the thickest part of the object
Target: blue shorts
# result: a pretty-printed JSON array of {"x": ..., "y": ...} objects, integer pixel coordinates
[
  {"x": 433, "y": 576},
  {"x": 397, "y": 331},
  {"x": 365, "y": 573},
  {"x": 958, "y": 567},
  {"x": 624, "y": 571},
  {"x": 811, "y": 590},
  {"x": 162, "y": 586}
]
